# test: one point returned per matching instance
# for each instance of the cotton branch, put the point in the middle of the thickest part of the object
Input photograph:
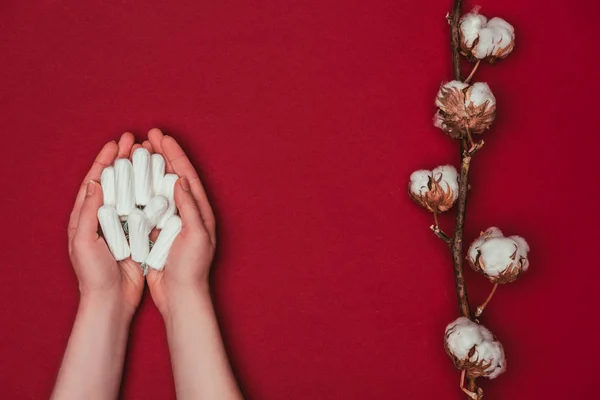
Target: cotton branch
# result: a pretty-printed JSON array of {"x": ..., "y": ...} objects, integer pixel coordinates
[
  {"x": 440, "y": 234},
  {"x": 457, "y": 242},
  {"x": 455, "y": 38},
  {"x": 465, "y": 163},
  {"x": 435, "y": 228}
]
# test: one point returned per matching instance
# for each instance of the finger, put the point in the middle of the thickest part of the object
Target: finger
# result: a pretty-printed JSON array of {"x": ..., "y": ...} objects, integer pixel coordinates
[
  {"x": 184, "y": 168},
  {"x": 154, "y": 234},
  {"x": 74, "y": 219},
  {"x": 105, "y": 158},
  {"x": 147, "y": 146},
  {"x": 134, "y": 148},
  {"x": 155, "y": 137},
  {"x": 154, "y": 276},
  {"x": 188, "y": 209},
  {"x": 87, "y": 228},
  {"x": 125, "y": 144}
]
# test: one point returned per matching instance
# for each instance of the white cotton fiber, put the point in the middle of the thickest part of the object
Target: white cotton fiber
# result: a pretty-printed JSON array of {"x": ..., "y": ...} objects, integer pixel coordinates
[{"x": 464, "y": 337}]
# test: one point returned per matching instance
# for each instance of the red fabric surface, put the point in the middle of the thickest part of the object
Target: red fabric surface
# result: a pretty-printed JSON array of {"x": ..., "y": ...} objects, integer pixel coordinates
[{"x": 306, "y": 119}]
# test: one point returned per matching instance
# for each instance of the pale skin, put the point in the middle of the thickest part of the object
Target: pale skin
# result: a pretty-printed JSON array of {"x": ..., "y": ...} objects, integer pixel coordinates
[{"x": 111, "y": 291}]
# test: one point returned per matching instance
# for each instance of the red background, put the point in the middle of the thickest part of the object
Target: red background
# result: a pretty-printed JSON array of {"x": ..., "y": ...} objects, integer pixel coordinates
[{"x": 305, "y": 119}]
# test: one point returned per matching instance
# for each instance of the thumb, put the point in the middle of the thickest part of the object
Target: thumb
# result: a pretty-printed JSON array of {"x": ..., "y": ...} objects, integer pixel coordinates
[
  {"x": 188, "y": 209},
  {"x": 153, "y": 276},
  {"x": 87, "y": 227}
]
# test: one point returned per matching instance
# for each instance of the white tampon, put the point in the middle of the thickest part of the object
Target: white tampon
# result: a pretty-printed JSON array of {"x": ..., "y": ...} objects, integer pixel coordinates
[
  {"x": 167, "y": 189},
  {"x": 155, "y": 210},
  {"x": 124, "y": 187},
  {"x": 160, "y": 251},
  {"x": 107, "y": 180},
  {"x": 158, "y": 172},
  {"x": 139, "y": 243},
  {"x": 113, "y": 232},
  {"x": 142, "y": 178}
]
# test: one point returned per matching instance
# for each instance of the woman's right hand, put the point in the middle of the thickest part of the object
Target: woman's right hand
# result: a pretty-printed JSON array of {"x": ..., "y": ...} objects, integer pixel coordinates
[{"x": 188, "y": 264}]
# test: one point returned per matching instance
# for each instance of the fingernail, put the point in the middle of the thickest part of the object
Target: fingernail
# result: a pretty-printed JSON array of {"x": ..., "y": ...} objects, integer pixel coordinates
[
  {"x": 91, "y": 188},
  {"x": 185, "y": 184}
]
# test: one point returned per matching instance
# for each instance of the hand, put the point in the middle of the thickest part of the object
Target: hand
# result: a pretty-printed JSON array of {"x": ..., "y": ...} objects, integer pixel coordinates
[
  {"x": 99, "y": 275},
  {"x": 180, "y": 291},
  {"x": 188, "y": 265}
]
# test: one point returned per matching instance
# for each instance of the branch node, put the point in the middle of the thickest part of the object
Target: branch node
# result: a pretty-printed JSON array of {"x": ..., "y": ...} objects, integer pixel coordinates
[
  {"x": 473, "y": 395},
  {"x": 440, "y": 234},
  {"x": 475, "y": 147}
]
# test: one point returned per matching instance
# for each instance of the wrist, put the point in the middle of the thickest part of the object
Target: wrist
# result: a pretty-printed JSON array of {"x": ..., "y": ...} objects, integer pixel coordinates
[
  {"x": 183, "y": 299},
  {"x": 105, "y": 306}
]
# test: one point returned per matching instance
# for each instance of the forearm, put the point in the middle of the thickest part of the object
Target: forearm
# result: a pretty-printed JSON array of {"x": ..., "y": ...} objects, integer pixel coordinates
[
  {"x": 200, "y": 365},
  {"x": 93, "y": 361}
]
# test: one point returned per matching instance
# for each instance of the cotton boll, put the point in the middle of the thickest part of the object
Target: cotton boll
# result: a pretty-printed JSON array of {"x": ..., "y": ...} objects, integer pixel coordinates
[
  {"x": 496, "y": 255},
  {"x": 113, "y": 232},
  {"x": 491, "y": 354},
  {"x": 499, "y": 258},
  {"x": 167, "y": 189},
  {"x": 499, "y": 23},
  {"x": 474, "y": 349},
  {"x": 438, "y": 121},
  {"x": 504, "y": 37},
  {"x": 448, "y": 178},
  {"x": 493, "y": 43},
  {"x": 419, "y": 181},
  {"x": 435, "y": 190},
  {"x": 451, "y": 115},
  {"x": 461, "y": 336},
  {"x": 107, "y": 181},
  {"x": 160, "y": 251},
  {"x": 479, "y": 94},
  {"x": 158, "y": 172},
  {"x": 138, "y": 235},
  {"x": 481, "y": 39},
  {"x": 480, "y": 106},
  {"x": 452, "y": 86},
  {"x": 470, "y": 24},
  {"x": 125, "y": 192},
  {"x": 460, "y": 85},
  {"x": 142, "y": 176},
  {"x": 463, "y": 108},
  {"x": 485, "y": 44},
  {"x": 155, "y": 210},
  {"x": 523, "y": 249},
  {"x": 490, "y": 232}
]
